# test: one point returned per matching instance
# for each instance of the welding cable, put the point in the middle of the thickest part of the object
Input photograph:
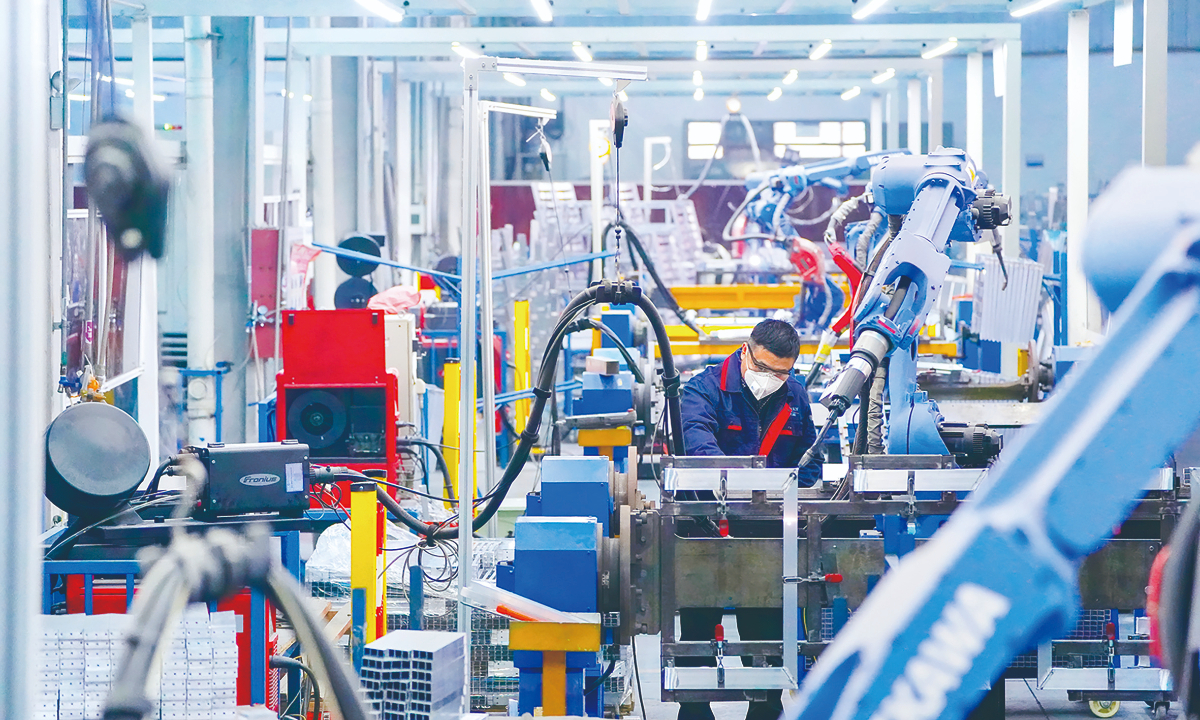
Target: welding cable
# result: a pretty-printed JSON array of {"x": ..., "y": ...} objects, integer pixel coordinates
[
  {"x": 635, "y": 244},
  {"x": 592, "y": 324},
  {"x": 282, "y": 662},
  {"x": 163, "y": 467},
  {"x": 436, "y": 449},
  {"x": 727, "y": 233}
]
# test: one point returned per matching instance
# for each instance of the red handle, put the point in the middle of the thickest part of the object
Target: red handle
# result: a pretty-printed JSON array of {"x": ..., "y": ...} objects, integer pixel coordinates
[
  {"x": 723, "y": 529},
  {"x": 833, "y": 577},
  {"x": 1110, "y": 631},
  {"x": 719, "y": 633},
  {"x": 842, "y": 259}
]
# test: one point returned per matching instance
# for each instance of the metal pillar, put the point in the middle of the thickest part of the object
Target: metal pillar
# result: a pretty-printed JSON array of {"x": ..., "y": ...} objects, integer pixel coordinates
[
  {"x": 892, "y": 118},
  {"x": 1010, "y": 166},
  {"x": 1154, "y": 82},
  {"x": 197, "y": 56},
  {"x": 876, "y": 124},
  {"x": 1078, "y": 51},
  {"x": 466, "y": 339},
  {"x": 143, "y": 113},
  {"x": 25, "y": 290},
  {"x": 486, "y": 315},
  {"x": 934, "y": 107},
  {"x": 974, "y": 138},
  {"x": 402, "y": 167},
  {"x": 325, "y": 265},
  {"x": 596, "y": 138},
  {"x": 914, "y": 116}
]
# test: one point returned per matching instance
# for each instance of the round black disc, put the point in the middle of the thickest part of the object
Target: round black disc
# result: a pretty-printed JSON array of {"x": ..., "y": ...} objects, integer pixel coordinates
[
  {"x": 96, "y": 456},
  {"x": 316, "y": 418},
  {"x": 353, "y": 294},
  {"x": 359, "y": 244}
]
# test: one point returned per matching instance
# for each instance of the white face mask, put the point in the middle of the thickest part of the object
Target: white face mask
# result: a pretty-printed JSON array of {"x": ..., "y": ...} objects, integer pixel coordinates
[{"x": 762, "y": 384}]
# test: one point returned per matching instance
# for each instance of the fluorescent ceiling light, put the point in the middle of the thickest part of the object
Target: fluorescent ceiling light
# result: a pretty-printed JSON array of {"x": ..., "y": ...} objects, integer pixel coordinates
[
  {"x": 701, "y": 50},
  {"x": 940, "y": 49},
  {"x": 697, "y": 78},
  {"x": 869, "y": 8},
  {"x": 548, "y": 96},
  {"x": 157, "y": 98},
  {"x": 1032, "y": 7},
  {"x": 622, "y": 96},
  {"x": 78, "y": 98},
  {"x": 733, "y": 105},
  {"x": 581, "y": 51},
  {"x": 463, "y": 51},
  {"x": 699, "y": 94},
  {"x": 790, "y": 77},
  {"x": 514, "y": 78},
  {"x": 562, "y": 68},
  {"x": 852, "y": 93},
  {"x": 606, "y": 81},
  {"x": 821, "y": 50},
  {"x": 308, "y": 98},
  {"x": 542, "y": 8},
  {"x": 1122, "y": 33},
  {"x": 702, "y": 9},
  {"x": 383, "y": 9},
  {"x": 884, "y": 76},
  {"x": 775, "y": 94}
]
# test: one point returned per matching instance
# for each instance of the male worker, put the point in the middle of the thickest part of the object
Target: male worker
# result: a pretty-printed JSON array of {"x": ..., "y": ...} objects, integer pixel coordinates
[{"x": 751, "y": 404}]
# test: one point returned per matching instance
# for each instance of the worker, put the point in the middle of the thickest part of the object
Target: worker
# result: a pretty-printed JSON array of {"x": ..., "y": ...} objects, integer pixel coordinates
[{"x": 750, "y": 404}]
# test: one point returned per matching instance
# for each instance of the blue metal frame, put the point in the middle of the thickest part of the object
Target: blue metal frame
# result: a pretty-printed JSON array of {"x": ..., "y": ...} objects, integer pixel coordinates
[{"x": 221, "y": 369}]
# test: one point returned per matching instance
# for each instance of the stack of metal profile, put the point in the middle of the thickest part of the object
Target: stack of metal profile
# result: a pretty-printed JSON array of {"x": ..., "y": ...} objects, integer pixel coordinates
[{"x": 416, "y": 675}]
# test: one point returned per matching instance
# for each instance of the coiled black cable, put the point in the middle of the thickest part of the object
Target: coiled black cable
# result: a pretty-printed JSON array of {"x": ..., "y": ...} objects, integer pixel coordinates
[{"x": 636, "y": 244}]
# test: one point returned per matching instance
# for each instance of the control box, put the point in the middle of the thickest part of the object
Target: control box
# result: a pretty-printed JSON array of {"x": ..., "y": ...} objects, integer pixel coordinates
[{"x": 250, "y": 478}]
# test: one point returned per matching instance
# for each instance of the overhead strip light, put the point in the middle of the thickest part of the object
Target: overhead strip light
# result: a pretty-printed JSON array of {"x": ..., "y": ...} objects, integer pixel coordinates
[
  {"x": 699, "y": 94},
  {"x": 622, "y": 96},
  {"x": 884, "y": 76},
  {"x": 463, "y": 51},
  {"x": 606, "y": 82},
  {"x": 852, "y": 93},
  {"x": 514, "y": 78},
  {"x": 733, "y": 105},
  {"x": 383, "y": 9},
  {"x": 701, "y": 50},
  {"x": 581, "y": 51},
  {"x": 702, "y": 9},
  {"x": 697, "y": 78},
  {"x": 821, "y": 50},
  {"x": 548, "y": 96},
  {"x": 1032, "y": 7},
  {"x": 775, "y": 94},
  {"x": 791, "y": 77},
  {"x": 940, "y": 49},
  {"x": 867, "y": 9},
  {"x": 543, "y": 10}
]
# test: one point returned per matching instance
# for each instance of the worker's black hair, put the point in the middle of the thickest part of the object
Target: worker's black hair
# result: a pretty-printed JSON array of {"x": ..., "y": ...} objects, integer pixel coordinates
[{"x": 776, "y": 337}]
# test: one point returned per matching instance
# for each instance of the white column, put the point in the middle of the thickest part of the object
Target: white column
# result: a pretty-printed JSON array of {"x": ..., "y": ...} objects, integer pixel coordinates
[
  {"x": 257, "y": 167},
  {"x": 914, "y": 116},
  {"x": 935, "y": 107},
  {"x": 325, "y": 265},
  {"x": 1077, "y": 173},
  {"x": 142, "y": 52},
  {"x": 974, "y": 134},
  {"x": 1010, "y": 166},
  {"x": 24, "y": 341},
  {"x": 201, "y": 329},
  {"x": 1154, "y": 82},
  {"x": 403, "y": 167},
  {"x": 1122, "y": 33},
  {"x": 876, "y": 124},
  {"x": 596, "y": 139},
  {"x": 892, "y": 118}
]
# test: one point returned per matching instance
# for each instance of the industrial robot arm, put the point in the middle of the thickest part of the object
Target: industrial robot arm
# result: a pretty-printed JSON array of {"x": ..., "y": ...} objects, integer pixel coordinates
[
  {"x": 940, "y": 198},
  {"x": 1001, "y": 575}
]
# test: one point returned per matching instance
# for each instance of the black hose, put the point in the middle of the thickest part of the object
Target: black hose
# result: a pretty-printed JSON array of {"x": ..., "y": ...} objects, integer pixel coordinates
[
  {"x": 672, "y": 304},
  {"x": 282, "y": 662},
  {"x": 437, "y": 455},
  {"x": 612, "y": 665},
  {"x": 158, "y": 474},
  {"x": 593, "y": 324}
]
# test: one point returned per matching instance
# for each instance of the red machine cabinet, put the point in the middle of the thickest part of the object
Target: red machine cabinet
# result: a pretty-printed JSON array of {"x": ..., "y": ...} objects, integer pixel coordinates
[{"x": 336, "y": 393}]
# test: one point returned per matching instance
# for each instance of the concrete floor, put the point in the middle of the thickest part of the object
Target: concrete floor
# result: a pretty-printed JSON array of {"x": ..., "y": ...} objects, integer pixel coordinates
[{"x": 1021, "y": 700}]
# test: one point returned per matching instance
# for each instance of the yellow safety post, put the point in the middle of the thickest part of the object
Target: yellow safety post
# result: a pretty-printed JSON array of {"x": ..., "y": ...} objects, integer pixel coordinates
[
  {"x": 522, "y": 379},
  {"x": 367, "y": 560},
  {"x": 554, "y": 641},
  {"x": 450, "y": 437}
]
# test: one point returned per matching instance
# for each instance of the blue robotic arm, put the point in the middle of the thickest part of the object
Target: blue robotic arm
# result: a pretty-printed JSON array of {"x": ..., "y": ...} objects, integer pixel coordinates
[{"x": 1001, "y": 575}]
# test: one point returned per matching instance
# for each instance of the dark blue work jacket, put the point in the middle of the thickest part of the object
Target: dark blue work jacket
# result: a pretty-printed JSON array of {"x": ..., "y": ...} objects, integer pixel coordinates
[{"x": 719, "y": 418}]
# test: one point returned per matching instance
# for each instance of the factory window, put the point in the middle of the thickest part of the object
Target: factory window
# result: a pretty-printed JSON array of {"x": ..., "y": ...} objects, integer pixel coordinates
[
  {"x": 814, "y": 140},
  {"x": 702, "y": 138}
]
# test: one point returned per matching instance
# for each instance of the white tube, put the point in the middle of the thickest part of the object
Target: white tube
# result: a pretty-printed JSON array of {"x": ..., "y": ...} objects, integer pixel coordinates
[
  {"x": 914, "y": 116},
  {"x": 325, "y": 265},
  {"x": 143, "y": 111},
  {"x": 1078, "y": 58},
  {"x": 197, "y": 58}
]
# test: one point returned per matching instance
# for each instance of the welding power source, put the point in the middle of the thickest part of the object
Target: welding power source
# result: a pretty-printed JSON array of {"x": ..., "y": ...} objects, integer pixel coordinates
[{"x": 253, "y": 478}]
